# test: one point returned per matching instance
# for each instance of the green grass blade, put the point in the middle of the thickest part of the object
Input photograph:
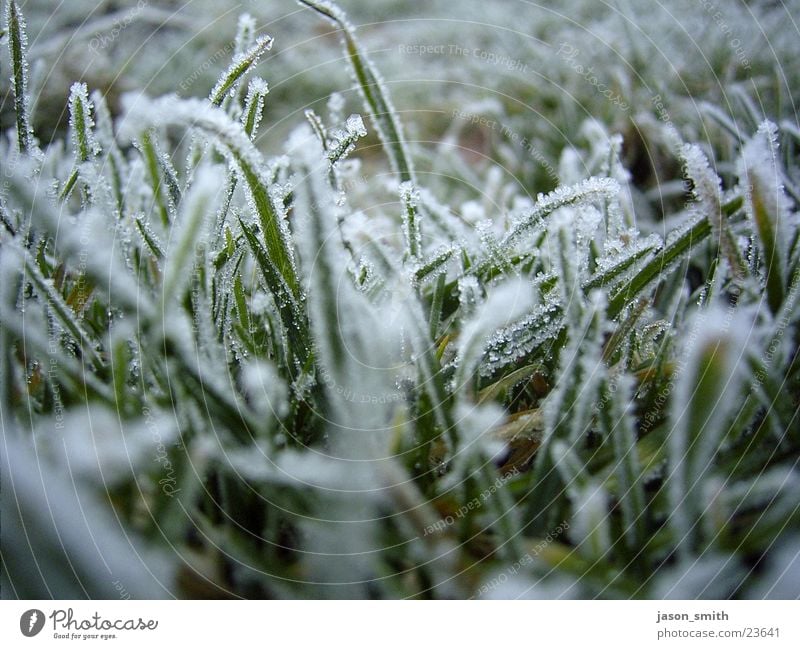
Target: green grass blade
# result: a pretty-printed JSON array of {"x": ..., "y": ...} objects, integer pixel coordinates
[
  {"x": 17, "y": 49},
  {"x": 375, "y": 94},
  {"x": 242, "y": 64},
  {"x": 249, "y": 163},
  {"x": 680, "y": 245}
]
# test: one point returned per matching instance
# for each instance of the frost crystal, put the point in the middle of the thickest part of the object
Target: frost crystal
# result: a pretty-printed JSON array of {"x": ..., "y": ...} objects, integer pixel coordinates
[
  {"x": 81, "y": 122},
  {"x": 707, "y": 185},
  {"x": 336, "y": 104},
  {"x": 343, "y": 141},
  {"x": 767, "y": 205},
  {"x": 242, "y": 64},
  {"x": 253, "y": 111},
  {"x": 18, "y": 51},
  {"x": 505, "y": 304},
  {"x": 409, "y": 198},
  {"x": 245, "y": 34},
  {"x": 587, "y": 190},
  {"x": 469, "y": 295}
]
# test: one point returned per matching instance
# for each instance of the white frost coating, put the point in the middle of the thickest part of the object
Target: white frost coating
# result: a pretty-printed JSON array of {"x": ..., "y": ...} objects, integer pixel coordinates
[
  {"x": 62, "y": 315},
  {"x": 92, "y": 242},
  {"x": 336, "y": 104},
  {"x": 241, "y": 65},
  {"x": 343, "y": 141},
  {"x": 436, "y": 264},
  {"x": 383, "y": 114},
  {"x": 491, "y": 250},
  {"x": 105, "y": 129},
  {"x": 759, "y": 170},
  {"x": 714, "y": 352},
  {"x": 781, "y": 577},
  {"x": 473, "y": 212},
  {"x": 506, "y": 303},
  {"x": 113, "y": 161},
  {"x": 409, "y": 197},
  {"x": 12, "y": 266},
  {"x": 568, "y": 408},
  {"x": 580, "y": 226},
  {"x": 357, "y": 348},
  {"x": 257, "y": 91},
  {"x": 245, "y": 34},
  {"x": 442, "y": 218},
  {"x": 707, "y": 192},
  {"x": 500, "y": 585},
  {"x": 355, "y": 126},
  {"x": 138, "y": 192},
  {"x": 571, "y": 167},
  {"x": 409, "y": 194},
  {"x": 707, "y": 188},
  {"x": 516, "y": 341},
  {"x": 261, "y": 303},
  {"x": 777, "y": 482},
  {"x": 190, "y": 227},
  {"x": 469, "y": 295},
  {"x": 711, "y": 575},
  {"x": 475, "y": 422},
  {"x": 258, "y": 85},
  {"x": 332, "y": 11},
  {"x": 80, "y": 110},
  {"x": 303, "y": 144},
  {"x": 564, "y": 255},
  {"x": 142, "y": 113},
  {"x": 586, "y": 190},
  {"x": 97, "y": 186},
  {"x": 618, "y": 250},
  {"x": 265, "y": 389},
  {"x": 727, "y": 337},
  {"x": 19, "y": 193},
  {"x": 680, "y": 227},
  {"x": 75, "y": 525},
  {"x": 590, "y": 526},
  {"x": 21, "y": 97},
  {"x": 100, "y": 448}
]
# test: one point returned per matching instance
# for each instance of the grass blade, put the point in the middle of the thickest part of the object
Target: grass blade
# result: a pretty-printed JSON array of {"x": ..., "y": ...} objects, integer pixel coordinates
[
  {"x": 17, "y": 49},
  {"x": 242, "y": 64},
  {"x": 373, "y": 91}
]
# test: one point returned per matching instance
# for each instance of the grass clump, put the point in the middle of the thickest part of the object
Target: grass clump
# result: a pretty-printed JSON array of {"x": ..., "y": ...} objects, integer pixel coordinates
[{"x": 251, "y": 381}]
